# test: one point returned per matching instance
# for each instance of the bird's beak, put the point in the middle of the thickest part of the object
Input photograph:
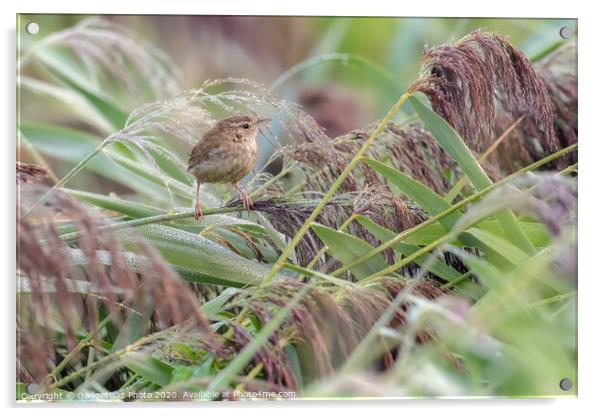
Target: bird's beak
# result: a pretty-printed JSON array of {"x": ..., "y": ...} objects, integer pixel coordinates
[{"x": 263, "y": 120}]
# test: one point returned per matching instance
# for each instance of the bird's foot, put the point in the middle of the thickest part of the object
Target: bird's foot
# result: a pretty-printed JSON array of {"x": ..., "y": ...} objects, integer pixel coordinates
[
  {"x": 198, "y": 212},
  {"x": 246, "y": 201}
]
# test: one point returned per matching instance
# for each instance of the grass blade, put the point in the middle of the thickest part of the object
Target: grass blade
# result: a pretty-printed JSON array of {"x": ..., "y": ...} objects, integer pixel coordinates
[
  {"x": 454, "y": 146},
  {"x": 223, "y": 379},
  {"x": 346, "y": 248}
]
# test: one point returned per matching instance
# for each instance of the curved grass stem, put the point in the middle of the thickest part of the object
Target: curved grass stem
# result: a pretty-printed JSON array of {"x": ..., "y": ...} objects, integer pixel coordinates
[
  {"x": 167, "y": 217},
  {"x": 324, "y": 249},
  {"x": 343, "y": 58},
  {"x": 107, "y": 358},
  {"x": 333, "y": 189},
  {"x": 63, "y": 181},
  {"x": 222, "y": 379},
  {"x": 407, "y": 260},
  {"x": 82, "y": 344},
  {"x": 463, "y": 181}
]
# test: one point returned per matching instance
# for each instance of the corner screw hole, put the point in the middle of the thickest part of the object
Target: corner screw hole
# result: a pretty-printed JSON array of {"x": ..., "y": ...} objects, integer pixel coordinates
[
  {"x": 32, "y": 28},
  {"x": 565, "y": 32},
  {"x": 566, "y": 384}
]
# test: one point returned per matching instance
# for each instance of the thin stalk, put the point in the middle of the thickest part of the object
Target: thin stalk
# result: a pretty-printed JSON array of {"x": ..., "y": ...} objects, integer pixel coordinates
[
  {"x": 363, "y": 348},
  {"x": 222, "y": 380},
  {"x": 569, "y": 169},
  {"x": 89, "y": 361},
  {"x": 74, "y": 171},
  {"x": 324, "y": 249},
  {"x": 344, "y": 58},
  {"x": 453, "y": 208},
  {"x": 311, "y": 273},
  {"x": 129, "y": 381},
  {"x": 252, "y": 374},
  {"x": 80, "y": 346},
  {"x": 463, "y": 181},
  {"x": 319, "y": 170},
  {"x": 406, "y": 260},
  {"x": 107, "y": 358},
  {"x": 547, "y": 51},
  {"x": 37, "y": 156},
  {"x": 457, "y": 280},
  {"x": 552, "y": 299},
  {"x": 157, "y": 219},
  {"x": 270, "y": 181},
  {"x": 333, "y": 189}
]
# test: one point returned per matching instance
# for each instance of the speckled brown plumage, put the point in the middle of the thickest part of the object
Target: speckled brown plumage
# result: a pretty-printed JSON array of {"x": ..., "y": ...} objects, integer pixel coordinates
[{"x": 225, "y": 154}]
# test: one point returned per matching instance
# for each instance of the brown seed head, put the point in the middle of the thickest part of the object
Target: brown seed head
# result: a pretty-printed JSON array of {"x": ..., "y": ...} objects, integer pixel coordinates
[{"x": 471, "y": 82}]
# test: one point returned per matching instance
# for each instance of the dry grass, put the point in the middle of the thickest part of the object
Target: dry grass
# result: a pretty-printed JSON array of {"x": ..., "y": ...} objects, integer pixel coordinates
[
  {"x": 72, "y": 283},
  {"x": 479, "y": 79}
]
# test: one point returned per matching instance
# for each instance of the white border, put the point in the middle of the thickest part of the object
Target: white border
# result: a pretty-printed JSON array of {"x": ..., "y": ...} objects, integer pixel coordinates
[{"x": 590, "y": 204}]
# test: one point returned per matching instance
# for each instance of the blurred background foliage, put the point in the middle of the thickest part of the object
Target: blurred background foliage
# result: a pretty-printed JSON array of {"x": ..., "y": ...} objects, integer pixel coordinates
[
  {"x": 345, "y": 72},
  {"x": 263, "y": 48}
]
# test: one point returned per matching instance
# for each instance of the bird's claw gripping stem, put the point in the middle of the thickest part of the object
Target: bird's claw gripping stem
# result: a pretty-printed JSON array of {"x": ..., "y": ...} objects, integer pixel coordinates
[
  {"x": 198, "y": 212},
  {"x": 246, "y": 201}
]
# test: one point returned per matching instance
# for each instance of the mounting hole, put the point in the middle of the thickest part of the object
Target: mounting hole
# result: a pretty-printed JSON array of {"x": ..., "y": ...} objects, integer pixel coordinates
[
  {"x": 566, "y": 384},
  {"x": 32, "y": 388},
  {"x": 32, "y": 28},
  {"x": 565, "y": 32}
]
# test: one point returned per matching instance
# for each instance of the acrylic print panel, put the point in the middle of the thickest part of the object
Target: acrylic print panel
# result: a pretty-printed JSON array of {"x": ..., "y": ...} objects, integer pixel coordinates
[{"x": 269, "y": 208}]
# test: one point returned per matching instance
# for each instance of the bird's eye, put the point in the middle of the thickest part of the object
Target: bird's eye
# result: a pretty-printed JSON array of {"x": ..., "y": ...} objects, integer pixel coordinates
[{"x": 245, "y": 126}]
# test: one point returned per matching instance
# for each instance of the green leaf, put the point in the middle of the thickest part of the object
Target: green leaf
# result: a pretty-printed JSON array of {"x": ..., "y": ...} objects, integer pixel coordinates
[
  {"x": 69, "y": 73},
  {"x": 537, "y": 233},
  {"x": 455, "y": 147},
  {"x": 72, "y": 100},
  {"x": 500, "y": 245},
  {"x": 135, "y": 324},
  {"x": 153, "y": 175},
  {"x": 68, "y": 145},
  {"x": 438, "y": 268},
  {"x": 74, "y": 145},
  {"x": 215, "y": 305},
  {"x": 148, "y": 367},
  {"x": 168, "y": 162},
  {"x": 294, "y": 359},
  {"x": 223, "y": 379},
  {"x": 347, "y": 248},
  {"x": 115, "y": 204},
  {"x": 196, "y": 259},
  {"x": 433, "y": 204},
  {"x": 209, "y": 261},
  {"x": 421, "y": 194}
]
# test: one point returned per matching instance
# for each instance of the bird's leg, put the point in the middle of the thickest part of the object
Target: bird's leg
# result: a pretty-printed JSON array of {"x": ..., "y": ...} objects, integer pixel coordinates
[
  {"x": 246, "y": 201},
  {"x": 198, "y": 213}
]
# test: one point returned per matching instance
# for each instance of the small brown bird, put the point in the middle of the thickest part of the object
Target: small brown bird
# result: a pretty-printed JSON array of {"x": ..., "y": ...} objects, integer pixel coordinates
[{"x": 225, "y": 154}]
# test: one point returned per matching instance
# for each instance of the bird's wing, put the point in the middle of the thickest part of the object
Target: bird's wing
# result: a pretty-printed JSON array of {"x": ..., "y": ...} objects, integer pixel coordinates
[{"x": 199, "y": 153}]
